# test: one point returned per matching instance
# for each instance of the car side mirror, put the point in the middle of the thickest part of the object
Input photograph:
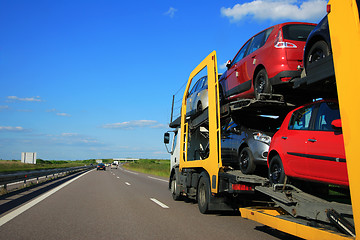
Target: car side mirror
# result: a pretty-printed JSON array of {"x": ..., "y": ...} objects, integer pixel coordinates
[
  {"x": 228, "y": 64},
  {"x": 234, "y": 130},
  {"x": 166, "y": 138},
  {"x": 336, "y": 124}
]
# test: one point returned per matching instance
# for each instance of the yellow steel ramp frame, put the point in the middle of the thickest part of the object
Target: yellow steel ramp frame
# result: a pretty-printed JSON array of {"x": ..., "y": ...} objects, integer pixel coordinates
[
  {"x": 269, "y": 218},
  {"x": 344, "y": 29},
  {"x": 213, "y": 163}
]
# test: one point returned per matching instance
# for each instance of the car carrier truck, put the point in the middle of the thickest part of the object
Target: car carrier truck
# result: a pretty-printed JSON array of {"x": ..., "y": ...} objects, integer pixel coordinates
[{"x": 197, "y": 171}]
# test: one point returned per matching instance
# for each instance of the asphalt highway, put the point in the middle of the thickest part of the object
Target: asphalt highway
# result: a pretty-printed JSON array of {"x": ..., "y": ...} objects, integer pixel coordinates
[{"x": 118, "y": 204}]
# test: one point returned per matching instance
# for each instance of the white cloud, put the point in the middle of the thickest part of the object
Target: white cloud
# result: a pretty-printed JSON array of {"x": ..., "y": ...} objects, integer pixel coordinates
[
  {"x": 54, "y": 110},
  {"x": 134, "y": 124},
  {"x": 4, "y": 107},
  {"x": 69, "y": 134},
  {"x": 311, "y": 10},
  {"x": 63, "y": 114},
  {"x": 160, "y": 125},
  {"x": 74, "y": 139},
  {"x": 171, "y": 12},
  {"x": 11, "y": 129},
  {"x": 223, "y": 66},
  {"x": 29, "y": 99}
]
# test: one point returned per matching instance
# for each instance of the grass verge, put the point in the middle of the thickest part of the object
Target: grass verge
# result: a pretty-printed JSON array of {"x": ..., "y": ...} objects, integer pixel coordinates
[
  {"x": 150, "y": 166},
  {"x": 16, "y": 165}
]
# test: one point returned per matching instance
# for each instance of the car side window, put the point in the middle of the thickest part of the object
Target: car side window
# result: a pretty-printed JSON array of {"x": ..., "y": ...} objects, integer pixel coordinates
[
  {"x": 231, "y": 125},
  {"x": 300, "y": 119},
  {"x": 267, "y": 34},
  {"x": 241, "y": 54},
  {"x": 226, "y": 128},
  {"x": 257, "y": 42},
  {"x": 194, "y": 88},
  {"x": 328, "y": 112},
  {"x": 202, "y": 85}
]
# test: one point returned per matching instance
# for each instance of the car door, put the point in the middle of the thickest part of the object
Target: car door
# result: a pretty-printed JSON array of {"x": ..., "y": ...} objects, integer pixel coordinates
[
  {"x": 326, "y": 152},
  {"x": 294, "y": 141},
  {"x": 233, "y": 73},
  {"x": 248, "y": 64}
]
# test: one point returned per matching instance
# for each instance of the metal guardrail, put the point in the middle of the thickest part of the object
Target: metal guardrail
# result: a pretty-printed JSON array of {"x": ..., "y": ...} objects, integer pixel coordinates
[{"x": 7, "y": 178}]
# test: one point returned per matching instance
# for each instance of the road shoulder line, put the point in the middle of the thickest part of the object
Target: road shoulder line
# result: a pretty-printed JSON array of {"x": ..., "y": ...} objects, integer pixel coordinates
[{"x": 27, "y": 206}]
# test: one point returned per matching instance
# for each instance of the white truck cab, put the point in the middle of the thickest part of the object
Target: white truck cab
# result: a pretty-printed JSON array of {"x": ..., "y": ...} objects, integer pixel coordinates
[{"x": 171, "y": 137}]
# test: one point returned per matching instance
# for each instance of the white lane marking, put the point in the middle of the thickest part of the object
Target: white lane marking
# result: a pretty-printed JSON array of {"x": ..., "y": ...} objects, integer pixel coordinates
[
  {"x": 127, "y": 183},
  {"x": 27, "y": 206},
  {"x": 117, "y": 177},
  {"x": 131, "y": 172},
  {"x": 158, "y": 179},
  {"x": 159, "y": 203}
]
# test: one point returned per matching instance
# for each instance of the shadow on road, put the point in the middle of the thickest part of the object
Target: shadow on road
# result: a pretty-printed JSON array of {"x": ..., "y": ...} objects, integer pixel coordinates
[
  {"x": 18, "y": 197},
  {"x": 276, "y": 233}
]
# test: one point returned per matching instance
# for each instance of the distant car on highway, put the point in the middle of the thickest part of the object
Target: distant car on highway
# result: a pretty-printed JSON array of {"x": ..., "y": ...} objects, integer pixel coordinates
[
  {"x": 101, "y": 166},
  {"x": 114, "y": 165}
]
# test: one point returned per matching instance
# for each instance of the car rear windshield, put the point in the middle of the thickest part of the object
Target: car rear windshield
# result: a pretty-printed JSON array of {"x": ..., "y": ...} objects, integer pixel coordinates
[{"x": 297, "y": 32}]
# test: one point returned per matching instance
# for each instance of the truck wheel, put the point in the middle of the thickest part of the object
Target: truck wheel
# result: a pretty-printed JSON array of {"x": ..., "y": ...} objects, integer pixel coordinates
[
  {"x": 262, "y": 83},
  {"x": 276, "y": 170},
  {"x": 174, "y": 189},
  {"x": 203, "y": 195},
  {"x": 246, "y": 161}
]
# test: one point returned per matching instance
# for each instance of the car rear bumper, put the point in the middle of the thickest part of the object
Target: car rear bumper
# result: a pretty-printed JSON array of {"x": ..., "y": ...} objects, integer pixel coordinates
[{"x": 284, "y": 77}]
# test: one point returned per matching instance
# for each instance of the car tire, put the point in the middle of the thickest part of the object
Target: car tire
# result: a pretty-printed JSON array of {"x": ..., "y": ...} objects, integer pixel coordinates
[
  {"x": 262, "y": 83},
  {"x": 203, "y": 194},
  {"x": 174, "y": 189},
  {"x": 246, "y": 161},
  {"x": 276, "y": 170},
  {"x": 319, "y": 50}
]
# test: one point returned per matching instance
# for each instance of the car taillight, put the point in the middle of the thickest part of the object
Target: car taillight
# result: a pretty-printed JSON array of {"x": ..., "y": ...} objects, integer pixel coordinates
[
  {"x": 279, "y": 42},
  {"x": 241, "y": 187},
  {"x": 285, "y": 79}
]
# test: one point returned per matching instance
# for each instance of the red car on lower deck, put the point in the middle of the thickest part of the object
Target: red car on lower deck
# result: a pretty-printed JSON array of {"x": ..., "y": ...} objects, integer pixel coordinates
[{"x": 309, "y": 145}]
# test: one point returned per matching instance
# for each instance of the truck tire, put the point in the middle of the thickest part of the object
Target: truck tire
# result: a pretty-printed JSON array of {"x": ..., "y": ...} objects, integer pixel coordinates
[
  {"x": 203, "y": 195},
  {"x": 246, "y": 161},
  {"x": 174, "y": 189}
]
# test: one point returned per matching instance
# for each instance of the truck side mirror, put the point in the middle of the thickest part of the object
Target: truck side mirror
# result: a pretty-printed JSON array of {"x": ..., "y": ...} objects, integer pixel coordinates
[
  {"x": 336, "y": 124},
  {"x": 166, "y": 138}
]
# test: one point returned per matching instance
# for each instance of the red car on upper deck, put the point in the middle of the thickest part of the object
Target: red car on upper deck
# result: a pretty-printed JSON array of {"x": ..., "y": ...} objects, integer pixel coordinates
[{"x": 269, "y": 58}]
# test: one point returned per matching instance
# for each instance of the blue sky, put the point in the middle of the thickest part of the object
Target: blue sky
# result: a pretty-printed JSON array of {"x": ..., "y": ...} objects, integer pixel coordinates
[{"x": 85, "y": 79}]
